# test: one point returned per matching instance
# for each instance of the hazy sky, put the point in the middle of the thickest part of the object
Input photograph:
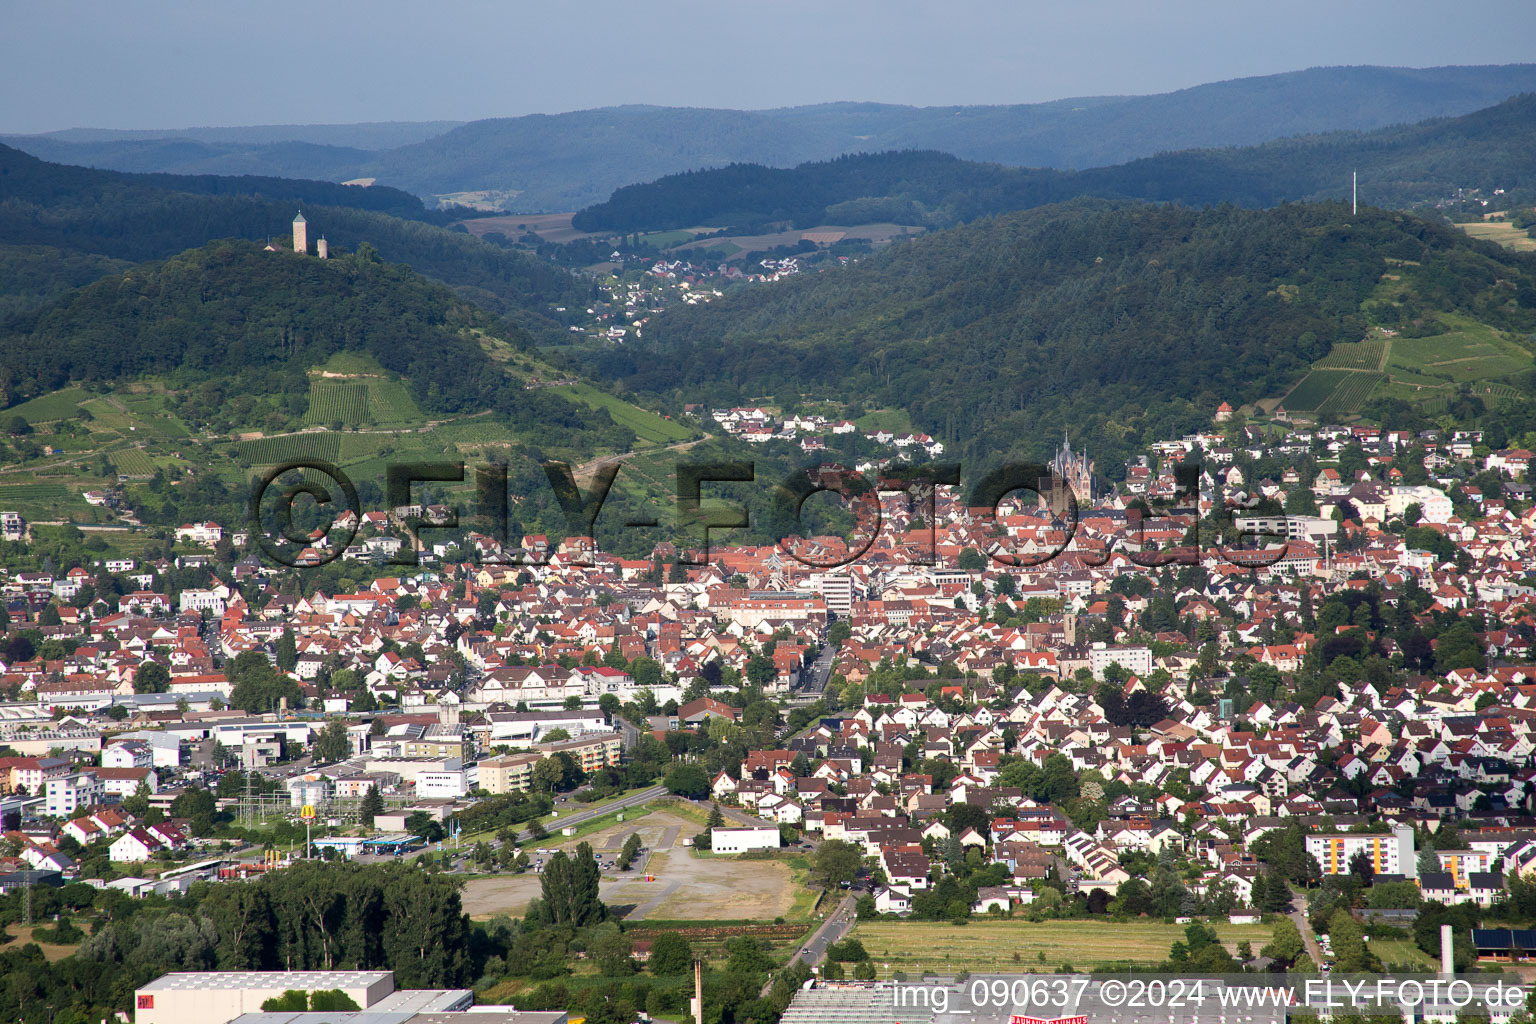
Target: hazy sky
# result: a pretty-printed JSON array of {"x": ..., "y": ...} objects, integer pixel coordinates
[{"x": 179, "y": 63}]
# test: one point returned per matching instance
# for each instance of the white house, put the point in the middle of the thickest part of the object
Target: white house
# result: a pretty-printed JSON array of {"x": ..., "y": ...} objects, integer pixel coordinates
[
  {"x": 207, "y": 534},
  {"x": 142, "y": 843},
  {"x": 893, "y": 900},
  {"x": 128, "y": 754}
]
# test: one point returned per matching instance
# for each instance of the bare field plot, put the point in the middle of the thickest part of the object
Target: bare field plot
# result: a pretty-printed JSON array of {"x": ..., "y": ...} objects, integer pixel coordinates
[
  {"x": 685, "y": 887},
  {"x": 552, "y": 227},
  {"x": 1502, "y": 232},
  {"x": 723, "y": 889},
  {"x": 22, "y": 934},
  {"x": 1014, "y": 947},
  {"x": 822, "y": 234}
]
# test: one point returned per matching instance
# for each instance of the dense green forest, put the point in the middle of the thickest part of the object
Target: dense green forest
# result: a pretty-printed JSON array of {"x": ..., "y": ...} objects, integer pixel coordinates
[
  {"x": 232, "y": 309},
  {"x": 1120, "y": 323},
  {"x": 569, "y": 160},
  {"x": 1494, "y": 148},
  {"x": 39, "y": 180},
  {"x": 34, "y": 275},
  {"x": 145, "y": 217}
]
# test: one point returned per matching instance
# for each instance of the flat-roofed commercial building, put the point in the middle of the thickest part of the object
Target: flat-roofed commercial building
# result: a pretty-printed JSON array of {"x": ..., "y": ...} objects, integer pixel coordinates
[
  {"x": 216, "y": 997},
  {"x": 744, "y": 840}
]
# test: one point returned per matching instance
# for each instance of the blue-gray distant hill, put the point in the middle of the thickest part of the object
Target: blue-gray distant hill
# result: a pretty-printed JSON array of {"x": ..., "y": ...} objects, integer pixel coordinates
[
  {"x": 327, "y": 151},
  {"x": 568, "y": 161},
  {"x": 1399, "y": 167}
]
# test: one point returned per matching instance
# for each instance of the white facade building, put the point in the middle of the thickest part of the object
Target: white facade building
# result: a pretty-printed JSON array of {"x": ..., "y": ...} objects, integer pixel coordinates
[
  {"x": 1389, "y": 854},
  {"x": 1135, "y": 660},
  {"x": 65, "y": 796},
  {"x": 743, "y": 840}
]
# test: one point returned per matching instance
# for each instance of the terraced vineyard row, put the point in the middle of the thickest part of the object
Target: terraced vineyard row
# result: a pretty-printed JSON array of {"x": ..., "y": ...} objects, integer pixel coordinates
[
  {"x": 481, "y": 431},
  {"x": 330, "y": 402},
  {"x": 1314, "y": 389},
  {"x": 133, "y": 462},
  {"x": 269, "y": 451},
  {"x": 1349, "y": 395},
  {"x": 357, "y": 447},
  {"x": 31, "y": 492},
  {"x": 1360, "y": 355},
  {"x": 389, "y": 403}
]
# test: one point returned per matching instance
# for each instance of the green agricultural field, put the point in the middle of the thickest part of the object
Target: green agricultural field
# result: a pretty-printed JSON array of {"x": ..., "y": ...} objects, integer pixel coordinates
[
  {"x": 1014, "y": 946},
  {"x": 1314, "y": 389},
  {"x": 133, "y": 462},
  {"x": 56, "y": 405},
  {"x": 1349, "y": 395},
  {"x": 152, "y": 413},
  {"x": 269, "y": 451},
  {"x": 667, "y": 239},
  {"x": 15, "y": 494},
  {"x": 389, "y": 404},
  {"x": 360, "y": 447},
  {"x": 647, "y": 426},
  {"x": 1470, "y": 351},
  {"x": 895, "y": 420},
  {"x": 334, "y": 402},
  {"x": 107, "y": 416},
  {"x": 1360, "y": 355},
  {"x": 477, "y": 431}
]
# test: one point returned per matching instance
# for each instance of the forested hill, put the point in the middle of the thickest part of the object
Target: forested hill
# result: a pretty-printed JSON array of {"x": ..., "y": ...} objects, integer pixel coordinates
[
  {"x": 233, "y": 310},
  {"x": 26, "y": 177},
  {"x": 1119, "y": 323},
  {"x": 145, "y": 217},
  {"x": 1488, "y": 149}
]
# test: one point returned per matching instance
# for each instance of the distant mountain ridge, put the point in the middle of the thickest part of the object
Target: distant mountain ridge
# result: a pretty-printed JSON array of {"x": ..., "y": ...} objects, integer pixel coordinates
[
  {"x": 369, "y": 135},
  {"x": 1400, "y": 166},
  {"x": 567, "y": 161}
]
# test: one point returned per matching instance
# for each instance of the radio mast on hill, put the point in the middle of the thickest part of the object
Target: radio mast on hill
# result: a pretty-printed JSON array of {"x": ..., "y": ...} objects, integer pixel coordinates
[{"x": 1354, "y": 192}]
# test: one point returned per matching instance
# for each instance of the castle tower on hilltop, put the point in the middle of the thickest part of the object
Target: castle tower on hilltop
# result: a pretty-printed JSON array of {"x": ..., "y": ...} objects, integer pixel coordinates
[
  {"x": 300, "y": 233},
  {"x": 322, "y": 249}
]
